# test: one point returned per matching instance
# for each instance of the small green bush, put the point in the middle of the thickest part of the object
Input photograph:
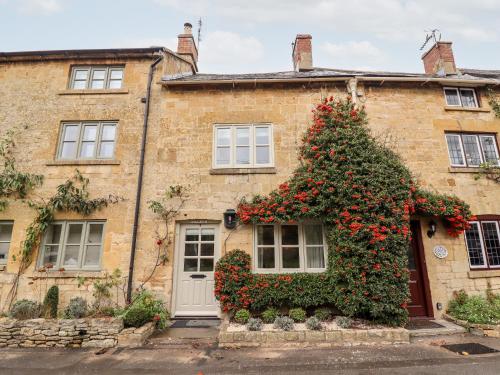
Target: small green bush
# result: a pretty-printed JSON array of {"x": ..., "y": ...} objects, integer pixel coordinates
[
  {"x": 343, "y": 321},
  {"x": 313, "y": 323},
  {"x": 269, "y": 315},
  {"x": 242, "y": 316},
  {"x": 476, "y": 309},
  {"x": 145, "y": 308},
  {"x": 323, "y": 313},
  {"x": 25, "y": 309},
  {"x": 283, "y": 322},
  {"x": 254, "y": 324},
  {"x": 297, "y": 314},
  {"x": 76, "y": 309},
  {"x": 50, "y": 302}
]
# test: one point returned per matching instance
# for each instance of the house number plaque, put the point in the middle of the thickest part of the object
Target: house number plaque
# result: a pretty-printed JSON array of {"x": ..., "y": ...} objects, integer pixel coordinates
[{"x": 440, "y": 252}]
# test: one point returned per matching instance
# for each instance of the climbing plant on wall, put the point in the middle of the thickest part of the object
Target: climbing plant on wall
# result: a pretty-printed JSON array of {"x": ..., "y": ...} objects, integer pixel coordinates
[
  {"x": 494, "y": 102},
  {"x": 364, "y": 195}
]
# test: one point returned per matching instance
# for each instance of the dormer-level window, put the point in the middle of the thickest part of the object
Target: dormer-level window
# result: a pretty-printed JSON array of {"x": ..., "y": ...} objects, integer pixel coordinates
[
  {"x": 460, "y": 97},
  {"x": 96, "y": 77},
  {"x": 472, "y": 150}
]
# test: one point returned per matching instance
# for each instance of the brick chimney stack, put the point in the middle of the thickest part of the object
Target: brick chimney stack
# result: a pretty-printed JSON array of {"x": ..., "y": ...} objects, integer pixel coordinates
[
  {"x": 302, "y": 53},
  {"x": 186, "y": 45},
  {"x": 439, "y": 59}
]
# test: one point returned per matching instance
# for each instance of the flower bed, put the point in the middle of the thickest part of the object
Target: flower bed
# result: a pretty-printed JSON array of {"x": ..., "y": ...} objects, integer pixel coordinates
[{"x": 490, "y": 330}]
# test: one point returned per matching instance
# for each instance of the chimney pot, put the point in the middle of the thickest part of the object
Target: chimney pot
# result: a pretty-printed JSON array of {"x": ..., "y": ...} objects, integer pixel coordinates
[
  {"x": 439, "y": 59},
  {"x": 302, "y": 53},
  {"x": 186, "y": 45},
  {"x": 188, "y": 28}
]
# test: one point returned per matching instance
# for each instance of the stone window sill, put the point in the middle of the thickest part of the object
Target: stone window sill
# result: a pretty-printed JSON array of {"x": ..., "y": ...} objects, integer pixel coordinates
[
  {"x": 484, "y": 273},
  {"x": 83, "y": 162},
  {"x": 464, "y": 169},
  {"x": 464, "y": 109},
  {"x": 55, "y": 274},
  {"x": 224, "y": 171},
  {"x": 93, "y": 92}
]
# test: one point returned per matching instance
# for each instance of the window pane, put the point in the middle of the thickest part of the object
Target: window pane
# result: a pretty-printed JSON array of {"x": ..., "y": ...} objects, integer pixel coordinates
[
  {"x": 223, "y": 136},
  {"x": 71, "y": 255},
  {"x": 291, "y": 257},
  {"x": 192, "y": 234},
  {"x": 115, "y": 84},
  {"x": 471, "y": 148},
  {"x": 262, "y": 136},
  {"x": 108, "y": 132},
  {"x": 452, "y": 97},
  {"x": 290, "y": 234},
  {"x": 117, "y": 74},
  {"x": 4, "y": 251},
  {"x": 92, "y": 255},
  {"x": 262, "y": 155},
  {"x": 87, "y": 149},
  {"x": 207, "y": 265},
  {"x": 473, "y": 240},
  {"x": 412, "y": 266},
  {"x": 190, "y": 265},
  {"x": 265, "y": 257},
  {"x": 191, "y": 249},
  {"x": 492, "y": 243},
  {"x": 53, "y": 234},
  {"x": 315, "y": 257},
  {"x": 207, "y": 234},
  {"x": 50, "y": 254},
  {"x": 314, "y": 234},
  {"x": 223, "y": 155},
  {"x": 489, "y": 149},
  {"x": 89, "y": 132},
  {"x": 242, "y": 155},
  {"x": 107, "y": 149},
  {"x": 97, "y": 84},
  {"x": 467, "y": 97},
  {"x": 207, "y": 249},
  {"x": 265, "y": 235},
  {"x": 68, "y": 150},
  {"x": 95, "y": 233},
  {"x": 242, "y": 136},
  {"x": 71, "y": 133},
  {"x": 81, "y": 75},
  {"x": 6, "y": 232},
  {"x": 454, "y": 149},
  {"x": 99, "y": 74},
  {"x": 74, "y": 233},
  {"x": 80, "y": 85}
]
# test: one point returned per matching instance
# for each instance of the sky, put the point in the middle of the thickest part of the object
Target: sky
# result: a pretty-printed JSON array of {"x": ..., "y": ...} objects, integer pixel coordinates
[{"x": 244, "y": 36}]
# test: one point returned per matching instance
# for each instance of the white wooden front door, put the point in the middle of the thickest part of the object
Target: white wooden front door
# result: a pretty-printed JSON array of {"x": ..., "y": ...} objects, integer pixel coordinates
[{"x": 198, "y": 252}]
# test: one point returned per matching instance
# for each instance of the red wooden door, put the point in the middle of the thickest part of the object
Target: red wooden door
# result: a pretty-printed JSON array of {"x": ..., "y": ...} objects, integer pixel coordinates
[{"x": 419, "y": 305}]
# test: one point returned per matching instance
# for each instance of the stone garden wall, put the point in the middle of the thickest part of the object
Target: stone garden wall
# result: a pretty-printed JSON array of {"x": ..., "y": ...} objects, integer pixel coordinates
[{"x": 73, "y": 333}]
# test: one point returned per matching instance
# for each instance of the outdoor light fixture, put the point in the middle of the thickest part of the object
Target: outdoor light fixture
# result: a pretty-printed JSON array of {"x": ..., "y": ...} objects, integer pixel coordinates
[
  {"x": 230, "y": 218},
  {"x": 432, "y": 229},
  {"x": 439, "y": 306}
]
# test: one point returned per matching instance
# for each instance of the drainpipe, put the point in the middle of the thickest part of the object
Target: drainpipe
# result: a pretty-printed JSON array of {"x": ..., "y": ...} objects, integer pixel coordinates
[
  {"x": 139, "y": 178},
  {"x": 352, "y": 87}
]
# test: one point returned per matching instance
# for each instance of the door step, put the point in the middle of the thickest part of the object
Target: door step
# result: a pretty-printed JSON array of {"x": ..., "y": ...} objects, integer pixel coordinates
[{"x": 436, "y": 327}]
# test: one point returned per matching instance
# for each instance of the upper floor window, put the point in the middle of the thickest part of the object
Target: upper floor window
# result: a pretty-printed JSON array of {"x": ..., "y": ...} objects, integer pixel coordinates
[
  {"x": 290, "y": 248},
  {"x": 243, "y": 146},
  {"x": 5, "y": 237},
  {"x": 72, "y": 245},
  {"x": 461, "y": 97},
  {"x": 471, "y": 150},
  {"x": 96, "y": 77},
  {"x": 483, "y": 243},
  {"x": 87, "y": 140}
]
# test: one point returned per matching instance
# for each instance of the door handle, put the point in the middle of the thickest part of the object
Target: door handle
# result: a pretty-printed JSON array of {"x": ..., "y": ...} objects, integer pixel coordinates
[{"x": 195, "y": 276}]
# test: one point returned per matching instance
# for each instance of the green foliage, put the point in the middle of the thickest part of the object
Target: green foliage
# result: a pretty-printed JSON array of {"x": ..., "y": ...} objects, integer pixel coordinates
[
  {"x": 494, "y": 102},
  {"x": 323, "y": 313},
  {"x": 343, "y": 321},
  {"x": 269, "y": 315},
  {"x": 101, "y": 289},
  {"x": 145, "y": 308},
  {"x": 242, "y": 316},
  {"x": 50, "y": 302},
  {"x": 476, "y": 309},
  {"x": 254, "y": 324},
  {"x": 490, "y": 171},
  {"x": 76, "y": 309},
  {"x": 313, "y": 323},
  {"x": 25, "y": 309},
  {"x": 283, "y": 322},
  {"x": 297, "y": 314}
]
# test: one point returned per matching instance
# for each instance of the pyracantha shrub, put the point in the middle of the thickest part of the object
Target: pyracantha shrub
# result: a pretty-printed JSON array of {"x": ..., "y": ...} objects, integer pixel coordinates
[{"x": 313, "y": 323}]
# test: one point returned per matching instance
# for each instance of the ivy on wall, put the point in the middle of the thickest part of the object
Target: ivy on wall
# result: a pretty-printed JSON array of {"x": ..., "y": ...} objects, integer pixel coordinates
[
  {"x": 494, "y": 102},
  {"x": 364, "y": 195}
]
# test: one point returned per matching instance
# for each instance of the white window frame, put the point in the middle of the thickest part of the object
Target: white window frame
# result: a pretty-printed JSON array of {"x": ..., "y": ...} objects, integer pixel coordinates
[
  {"x": 252, "y": 144},
  {"x": 98, "y": 141},
  {"x": 459, "y": 90},
  {"x": 90, "y": 71},
  {"x": 11, "y": 223},
  {"x": 486, "y": 265},
  {"x": 462, "y": 148},
  {"x": 83, "y": 246},
  {"x": 278, "y": 254}
]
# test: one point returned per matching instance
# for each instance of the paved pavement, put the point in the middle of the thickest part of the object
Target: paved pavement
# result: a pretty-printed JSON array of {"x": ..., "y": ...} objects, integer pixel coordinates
[{"x": 201, "y": 356}]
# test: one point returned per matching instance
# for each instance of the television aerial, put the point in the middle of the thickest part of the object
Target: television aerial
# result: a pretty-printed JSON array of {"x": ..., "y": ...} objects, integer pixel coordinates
[{"x": 433, "y": 34}]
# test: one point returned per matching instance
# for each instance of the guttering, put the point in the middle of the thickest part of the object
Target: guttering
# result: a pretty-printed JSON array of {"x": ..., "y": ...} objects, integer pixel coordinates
[{"x": 140, "y": 178}]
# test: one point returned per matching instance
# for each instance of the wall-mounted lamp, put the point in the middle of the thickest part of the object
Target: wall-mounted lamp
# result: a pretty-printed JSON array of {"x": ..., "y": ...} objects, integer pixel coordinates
[
  {"x": 432, "y": 229},
  {"x": 439, "y": 306},
  {"x": 230, "y": 218}
]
